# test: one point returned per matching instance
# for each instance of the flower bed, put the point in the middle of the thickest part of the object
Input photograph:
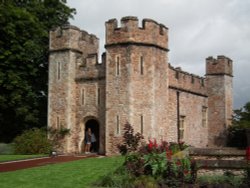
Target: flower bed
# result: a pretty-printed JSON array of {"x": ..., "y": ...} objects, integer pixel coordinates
[{"x": 155, "y": 165}]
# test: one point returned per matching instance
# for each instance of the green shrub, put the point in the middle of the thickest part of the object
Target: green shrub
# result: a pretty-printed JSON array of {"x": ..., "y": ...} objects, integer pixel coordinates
[
  {"x": 33, "y": 141},
  {"x": 6, "y": 149},
  {"x": 145, "y": 181},
  {"x": 119, "y": 179},
  {"x": 134, "y": 163}
]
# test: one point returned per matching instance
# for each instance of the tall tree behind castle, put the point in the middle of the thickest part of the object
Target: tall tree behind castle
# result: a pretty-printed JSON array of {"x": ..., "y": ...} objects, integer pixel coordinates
[{"x": 24, "y": 61}]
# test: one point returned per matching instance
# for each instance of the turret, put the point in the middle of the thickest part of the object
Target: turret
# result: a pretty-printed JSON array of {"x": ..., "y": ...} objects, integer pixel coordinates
[
  {"x": 220, "y": 66},
  {"x": 136, "y": 62},
  {"x": 69, "y": 37},
  {"x": 69, "y": 48},
  {"x": 151, "y": 33},
  {"x": 219, "y": 73}
]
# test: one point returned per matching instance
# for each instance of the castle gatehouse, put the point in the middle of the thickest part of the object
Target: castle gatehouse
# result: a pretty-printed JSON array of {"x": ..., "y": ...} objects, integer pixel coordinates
[{"x": 135, "y": 83}]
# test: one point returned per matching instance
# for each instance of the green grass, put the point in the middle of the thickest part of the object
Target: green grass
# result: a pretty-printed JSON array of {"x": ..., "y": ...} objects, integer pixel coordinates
[
  {"x": 81, "y": 173},
  {"x": 18, "y": 157}
]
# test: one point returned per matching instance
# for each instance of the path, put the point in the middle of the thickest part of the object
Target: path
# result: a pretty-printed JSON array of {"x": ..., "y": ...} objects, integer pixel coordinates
[{"x": 29, "y": 163}]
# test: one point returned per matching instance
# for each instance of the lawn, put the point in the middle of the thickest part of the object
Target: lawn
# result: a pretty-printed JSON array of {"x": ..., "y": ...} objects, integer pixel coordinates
[
  {"x": 81, "y": 173},
  {"x": 18, "y": 157}
]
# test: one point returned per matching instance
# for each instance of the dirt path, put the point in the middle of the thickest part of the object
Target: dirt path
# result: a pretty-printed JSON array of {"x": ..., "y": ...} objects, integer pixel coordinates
[{"x": 29, "y": 163}]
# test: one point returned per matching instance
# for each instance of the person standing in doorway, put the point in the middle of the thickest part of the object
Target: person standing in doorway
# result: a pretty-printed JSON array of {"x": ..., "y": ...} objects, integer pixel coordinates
[
  {"x": 93, "y": 142},
  {"x": 88, "y": 135}
]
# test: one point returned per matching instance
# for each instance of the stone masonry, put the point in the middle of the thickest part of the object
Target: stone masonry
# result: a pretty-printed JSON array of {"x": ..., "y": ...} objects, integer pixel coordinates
[{"x": 134, "y": 83}]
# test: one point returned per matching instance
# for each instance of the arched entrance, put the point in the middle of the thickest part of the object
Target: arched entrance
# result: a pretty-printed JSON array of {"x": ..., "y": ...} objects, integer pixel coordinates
[{"x": 94, "y": 126}]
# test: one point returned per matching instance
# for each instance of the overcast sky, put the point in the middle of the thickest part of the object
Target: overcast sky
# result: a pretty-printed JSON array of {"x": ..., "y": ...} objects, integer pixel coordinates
[{"x": 197, "y": 29}]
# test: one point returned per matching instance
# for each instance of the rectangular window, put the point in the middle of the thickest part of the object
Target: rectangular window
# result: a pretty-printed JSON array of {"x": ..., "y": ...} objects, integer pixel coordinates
[
  {"x": 141, "y": 65},
  {"x": 58, "y": 70},
  {"x": 57, "y": 122},
  {"x": 98, "y": 96},
  {"x": 117, "y": 66},
  {"x": 204, "y": 116},
  {"x": 182, "y": 127},
  {"x": 141, "y": 124},
  {"x": 117, "y": 124},
  {"x": 82, "y": 97}
]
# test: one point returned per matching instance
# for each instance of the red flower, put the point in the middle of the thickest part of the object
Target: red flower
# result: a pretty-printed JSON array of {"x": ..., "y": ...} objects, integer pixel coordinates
[
  {"x": 178, "y": 163},
  {"x": 186, "y": 172},
  {"x": 150, "y": 145}
]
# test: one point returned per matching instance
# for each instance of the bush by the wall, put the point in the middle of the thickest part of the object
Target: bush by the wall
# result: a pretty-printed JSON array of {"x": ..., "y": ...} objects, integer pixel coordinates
[{"x": 33, "y": 141}]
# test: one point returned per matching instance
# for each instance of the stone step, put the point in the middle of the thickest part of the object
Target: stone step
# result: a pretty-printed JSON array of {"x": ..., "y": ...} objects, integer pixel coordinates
[
  {"x": 216, "y": 152},
  {"x": 222, "y": 164}
]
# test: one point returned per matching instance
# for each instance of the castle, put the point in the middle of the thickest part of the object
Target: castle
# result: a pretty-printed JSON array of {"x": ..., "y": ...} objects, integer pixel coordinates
[{"x": 134, "y": 83}]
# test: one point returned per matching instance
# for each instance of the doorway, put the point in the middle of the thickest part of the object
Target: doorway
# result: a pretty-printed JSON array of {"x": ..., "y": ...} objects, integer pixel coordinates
[{"x": 94, "y": 126}]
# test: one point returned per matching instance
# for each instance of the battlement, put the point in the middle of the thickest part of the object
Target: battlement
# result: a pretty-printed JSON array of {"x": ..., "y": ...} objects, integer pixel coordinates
[
  {"x": 69, "y": 37},
  {"x": 150, "y": 34},
  {"x": 186, "y": 81},
  {"x": 90, "y": 70},
  {"x": 220, "y": 66}
]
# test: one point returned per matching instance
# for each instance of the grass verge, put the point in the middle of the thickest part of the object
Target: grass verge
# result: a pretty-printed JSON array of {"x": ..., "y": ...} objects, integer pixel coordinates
[
  {"x": 81, "y": 173},
  {"x": 4, "y": 158}
]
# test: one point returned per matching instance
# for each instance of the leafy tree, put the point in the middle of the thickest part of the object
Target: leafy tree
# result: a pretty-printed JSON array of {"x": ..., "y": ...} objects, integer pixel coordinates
[
  {"x": 241, "y": 122},
  {"x": 24, "y": 49},
  {"x": 242, "y": 116}
]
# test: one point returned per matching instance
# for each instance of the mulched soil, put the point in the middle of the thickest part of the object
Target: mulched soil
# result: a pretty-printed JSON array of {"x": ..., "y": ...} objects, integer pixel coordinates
[{"x": 29, "y": 163}]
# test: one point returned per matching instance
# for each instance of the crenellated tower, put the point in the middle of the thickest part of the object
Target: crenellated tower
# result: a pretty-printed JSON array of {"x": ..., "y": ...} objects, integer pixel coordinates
[
  {"x": 69, "y": 48},
  {"x": 136, "y": 78},
  {"x": 219, "y": 79}
]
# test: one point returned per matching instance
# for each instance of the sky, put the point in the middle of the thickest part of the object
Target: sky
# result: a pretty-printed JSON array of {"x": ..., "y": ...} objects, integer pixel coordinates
[{"x": 197, "y": 29}]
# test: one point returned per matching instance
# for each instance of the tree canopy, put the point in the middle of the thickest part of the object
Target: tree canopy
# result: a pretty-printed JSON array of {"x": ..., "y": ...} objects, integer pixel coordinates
[
  {"x": 242, "y": 116},
  {"x": 237, "y": 132},
  {"x": 24, "y": 49}
]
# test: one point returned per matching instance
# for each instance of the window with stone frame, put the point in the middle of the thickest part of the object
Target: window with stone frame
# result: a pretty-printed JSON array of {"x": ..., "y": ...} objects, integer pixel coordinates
[
  {"x": 117, "y": 124},
  {"x": 82, "y": 98},
  {"x": 58, "y": 70},
  {"x": 117, "y": 66},
  {"x": 98, "y": 96},
  {"x": 204, "y": 116},
  {"x": 142, "y": 124},
  {"x": 141, "y": 65},
  {"x": 182, "y": 127},
  {"x": 58, "y": 126}
]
